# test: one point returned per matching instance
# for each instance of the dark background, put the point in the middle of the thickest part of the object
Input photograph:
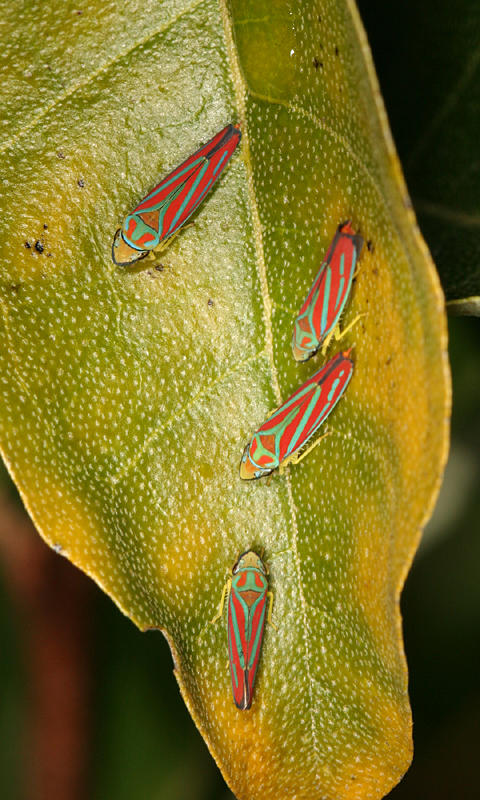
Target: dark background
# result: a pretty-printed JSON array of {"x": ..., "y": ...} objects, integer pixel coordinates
[{"x": 89, "y": 705}]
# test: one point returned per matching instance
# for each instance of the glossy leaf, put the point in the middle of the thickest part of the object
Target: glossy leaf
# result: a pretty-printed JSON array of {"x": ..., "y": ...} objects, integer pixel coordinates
[{"x": 127, "y": 395}]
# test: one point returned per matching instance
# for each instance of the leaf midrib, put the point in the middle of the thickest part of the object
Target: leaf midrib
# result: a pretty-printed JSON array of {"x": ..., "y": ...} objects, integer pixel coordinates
[{"x": 241, "y": 89}]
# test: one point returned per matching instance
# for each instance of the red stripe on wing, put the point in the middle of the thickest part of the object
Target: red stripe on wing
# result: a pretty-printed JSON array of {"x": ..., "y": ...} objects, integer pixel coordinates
[
  {"x": 174, "y": 180},
  {"x": 195, "y": 189},
  {"x": 188, "y": 169},
  {"x": 241, "y": 579},
  {"x": 145, "y": 239},
  {"x": 321, "y": 275},
  {"x": 258, "y": 624},
  {"x": 259, "y": 581},
  {"x": 343, "y": 246},
  {"x": 235, "y": 608},
  {"x": 338, "y": 368}
]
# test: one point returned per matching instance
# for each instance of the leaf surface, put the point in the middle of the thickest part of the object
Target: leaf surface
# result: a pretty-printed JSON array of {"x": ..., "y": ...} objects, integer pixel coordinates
[{"x": 127, "y": 395}]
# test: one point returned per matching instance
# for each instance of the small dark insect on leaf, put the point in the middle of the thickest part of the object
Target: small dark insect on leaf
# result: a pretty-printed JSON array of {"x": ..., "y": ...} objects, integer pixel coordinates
[
  {"x": 209, "y": 302},
  {"x": 81, "y": 183},
  {"x": 317, "y": 63},
  {"x": 60, "y": 154},
  {"x": 45, "y": 226},
  {"x": 337, "y": 51},
  {"x": 28, "y": 245},
  {"x": 370, "y": 246},
  {"x": 159, "y": 267},
  {"x": 39, "y": 247}
]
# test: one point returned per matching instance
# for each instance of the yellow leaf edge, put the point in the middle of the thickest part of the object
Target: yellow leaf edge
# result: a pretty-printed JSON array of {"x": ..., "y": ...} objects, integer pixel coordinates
[
  {"x": 399, "y": 180},
  {"x": 464, "y": 307}
]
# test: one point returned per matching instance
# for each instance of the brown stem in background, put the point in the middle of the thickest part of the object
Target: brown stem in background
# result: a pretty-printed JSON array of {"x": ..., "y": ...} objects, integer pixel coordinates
[{"x": 52, "y": 599}]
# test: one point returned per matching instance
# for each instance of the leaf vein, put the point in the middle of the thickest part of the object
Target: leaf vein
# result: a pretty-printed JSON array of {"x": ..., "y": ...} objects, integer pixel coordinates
[
  {"x": 341, "y": 140},
  {"x": 176, "y": 416},
  {"x": 240, "y": 90},
  {"x": 94, "y": 74}
]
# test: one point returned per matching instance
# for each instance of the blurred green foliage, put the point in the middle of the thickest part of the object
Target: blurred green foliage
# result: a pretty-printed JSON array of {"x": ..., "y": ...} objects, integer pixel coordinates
[
  {"x": 427, "y": 58},
  {"x": 441, "y": 606},
  {"x": 141, "y": 722},
  {"x": 13, "y": 699}
]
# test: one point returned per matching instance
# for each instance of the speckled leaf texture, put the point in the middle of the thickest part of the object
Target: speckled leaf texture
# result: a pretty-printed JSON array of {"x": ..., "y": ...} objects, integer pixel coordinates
[{"x": 128, "y": 394}]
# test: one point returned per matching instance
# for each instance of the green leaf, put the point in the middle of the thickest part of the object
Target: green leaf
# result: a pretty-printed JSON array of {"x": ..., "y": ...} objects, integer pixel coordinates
[
  {"x": 433, "y": 96},
  {"x": 127, "y": 396}
]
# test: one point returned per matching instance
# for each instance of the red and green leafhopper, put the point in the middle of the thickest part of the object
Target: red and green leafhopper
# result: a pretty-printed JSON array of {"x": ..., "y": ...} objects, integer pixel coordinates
[
  {"x": 321, "y": 311},
  {"x": 168, "y": 206},
  {"x": 247, "y": 593},
  {"x": 283, "y": 437}
]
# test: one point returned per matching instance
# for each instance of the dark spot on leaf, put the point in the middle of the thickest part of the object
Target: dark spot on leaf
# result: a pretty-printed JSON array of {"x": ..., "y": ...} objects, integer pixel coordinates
[
  {"x": 60, "y": 154},
  {"x": 49, "y": 255},
  {"x": 317, "y": 63},
  {"x": 28, "y": 245},
  {"x": 39, "y": 247},
  {"x": 209, "y": 302},
  {"x": 370, "y": 246},
  {"x": 389, "y": 360},
  {"x": 45, "y": 226},
  {"x": 319, "y": 18},
  {"x": 14, "y": 287},
  {"x": 337, "y": 51},
  {"x": 159, "y": 267},
  {"x": 81, "y": 183}
]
